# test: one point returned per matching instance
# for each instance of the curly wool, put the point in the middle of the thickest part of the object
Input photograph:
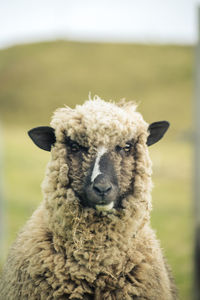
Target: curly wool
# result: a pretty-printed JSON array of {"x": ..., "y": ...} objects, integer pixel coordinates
[{"x": 67, "y": 251}]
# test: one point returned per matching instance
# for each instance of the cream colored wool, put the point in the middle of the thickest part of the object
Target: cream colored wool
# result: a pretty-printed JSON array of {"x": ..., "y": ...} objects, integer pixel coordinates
[{"x": 67, "y": 251}]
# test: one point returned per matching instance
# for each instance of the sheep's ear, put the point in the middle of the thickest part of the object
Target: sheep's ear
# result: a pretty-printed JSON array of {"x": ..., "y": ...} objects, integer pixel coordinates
[
  {"x": 156, "y": 131},
  {"x": 43, "y": 137}
]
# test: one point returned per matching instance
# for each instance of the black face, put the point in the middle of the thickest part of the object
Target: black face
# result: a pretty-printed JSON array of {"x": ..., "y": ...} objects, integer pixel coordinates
[
  {"x": 103, "y": 189},
  {"x": 94, "y": 177}
]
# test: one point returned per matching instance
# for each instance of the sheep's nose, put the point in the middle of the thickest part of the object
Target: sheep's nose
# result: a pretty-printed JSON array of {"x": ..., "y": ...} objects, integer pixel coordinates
[{"x": 102, "y": 187}]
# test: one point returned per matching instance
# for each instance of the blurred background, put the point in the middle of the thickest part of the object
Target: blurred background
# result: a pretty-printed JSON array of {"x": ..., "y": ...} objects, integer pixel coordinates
[{"x": 54, "y": 53}]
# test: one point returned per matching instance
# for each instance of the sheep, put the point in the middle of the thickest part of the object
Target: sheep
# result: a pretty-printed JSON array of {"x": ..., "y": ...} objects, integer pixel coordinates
[{"x": 91, "y": 236}]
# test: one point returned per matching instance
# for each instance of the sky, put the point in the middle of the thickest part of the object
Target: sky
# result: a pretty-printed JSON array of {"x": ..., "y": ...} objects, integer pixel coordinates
[{"x": 160, "y": 21}]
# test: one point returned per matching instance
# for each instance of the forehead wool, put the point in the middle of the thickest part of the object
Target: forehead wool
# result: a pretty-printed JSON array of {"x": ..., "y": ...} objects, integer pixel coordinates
[{"x": 97, "y": 121}]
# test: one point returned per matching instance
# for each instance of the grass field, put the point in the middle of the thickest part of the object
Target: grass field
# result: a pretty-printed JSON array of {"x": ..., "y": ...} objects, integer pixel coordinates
[{"x": 36, "y": 79}]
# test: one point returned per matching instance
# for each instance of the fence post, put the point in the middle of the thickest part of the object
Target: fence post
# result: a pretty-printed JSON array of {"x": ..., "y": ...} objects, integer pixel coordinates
[
  {"x": 2, "y": 233},
  {"x": 197, "y": 169}
]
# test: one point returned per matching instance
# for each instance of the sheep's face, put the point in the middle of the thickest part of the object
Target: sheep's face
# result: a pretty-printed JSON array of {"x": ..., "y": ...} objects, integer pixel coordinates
[
  {"x": 105, "y": 148},
  {"x": 101, "y": 176}
]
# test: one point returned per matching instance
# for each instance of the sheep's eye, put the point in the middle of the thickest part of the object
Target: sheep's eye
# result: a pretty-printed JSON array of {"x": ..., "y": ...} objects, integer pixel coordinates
[
  {"x": 127, "y": 148},
  {"x": 75, "y": 147}
]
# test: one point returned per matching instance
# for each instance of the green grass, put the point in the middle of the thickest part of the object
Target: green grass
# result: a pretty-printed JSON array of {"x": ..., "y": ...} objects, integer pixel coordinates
[{"x": 36, "y": 79}]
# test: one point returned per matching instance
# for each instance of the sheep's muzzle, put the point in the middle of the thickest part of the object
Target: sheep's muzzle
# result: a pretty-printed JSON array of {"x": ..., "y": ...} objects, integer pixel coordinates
[
  {"x": 101, "y": 189},
  {"x": 102, "y": 194}
]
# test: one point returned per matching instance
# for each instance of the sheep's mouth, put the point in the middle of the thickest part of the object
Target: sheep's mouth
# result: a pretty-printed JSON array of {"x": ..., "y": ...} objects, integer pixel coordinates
[
  {"x": 105, "y": 207},
  {"x": 98, "y": 204}
]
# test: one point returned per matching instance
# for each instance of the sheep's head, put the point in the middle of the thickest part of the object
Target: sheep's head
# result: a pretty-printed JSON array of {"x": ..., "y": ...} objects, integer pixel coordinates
[{"x": 104, "y": 146}]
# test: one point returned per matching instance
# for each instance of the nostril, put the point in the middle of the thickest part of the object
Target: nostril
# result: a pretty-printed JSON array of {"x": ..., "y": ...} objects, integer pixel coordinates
[
  {"x": 102, "y": 189},
  {"x": 108, "y": 189},
  {"x": 97, "y": 190}
]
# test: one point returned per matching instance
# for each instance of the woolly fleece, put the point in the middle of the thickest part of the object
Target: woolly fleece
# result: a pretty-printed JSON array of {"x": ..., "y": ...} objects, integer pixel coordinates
[{"x": 67, "y": 251}]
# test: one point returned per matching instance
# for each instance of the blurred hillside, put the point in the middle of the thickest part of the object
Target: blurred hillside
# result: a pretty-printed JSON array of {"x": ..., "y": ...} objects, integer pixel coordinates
[{"x": 35, "y": 79}]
